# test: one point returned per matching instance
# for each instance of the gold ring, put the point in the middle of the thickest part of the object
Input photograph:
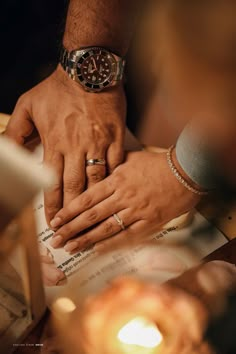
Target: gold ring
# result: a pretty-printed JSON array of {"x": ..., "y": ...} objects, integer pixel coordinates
[{"x": 119, "y": 221}]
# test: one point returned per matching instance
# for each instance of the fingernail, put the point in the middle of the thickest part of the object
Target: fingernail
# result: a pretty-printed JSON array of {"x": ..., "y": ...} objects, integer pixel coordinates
[
  {"x": 60, "y": 275},
  {"x": 56, "y": 241},
  {"x": 57, "y": 275},
  {"x": 70, "y": 246},
  {"x": 55, "y": 222}
]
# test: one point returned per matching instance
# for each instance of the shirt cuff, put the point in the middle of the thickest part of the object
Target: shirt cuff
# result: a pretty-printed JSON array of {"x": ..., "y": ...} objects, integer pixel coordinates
[{"x": 196, "y": 160}]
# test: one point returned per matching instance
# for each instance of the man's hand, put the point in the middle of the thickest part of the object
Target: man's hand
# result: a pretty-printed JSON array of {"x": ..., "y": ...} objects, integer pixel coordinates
[
  {"x": 74, "y": 126},
  {"x": 143, "y": 193}
]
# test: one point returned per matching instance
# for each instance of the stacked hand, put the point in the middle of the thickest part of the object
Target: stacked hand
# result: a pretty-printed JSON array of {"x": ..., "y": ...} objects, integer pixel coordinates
[
  {"x": 136, "y": 199},
  {"x": 74, "y": 126}
]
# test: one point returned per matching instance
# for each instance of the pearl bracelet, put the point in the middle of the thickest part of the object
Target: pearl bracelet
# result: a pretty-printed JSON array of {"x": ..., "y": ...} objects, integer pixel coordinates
[{"x": 178, "y": 175}]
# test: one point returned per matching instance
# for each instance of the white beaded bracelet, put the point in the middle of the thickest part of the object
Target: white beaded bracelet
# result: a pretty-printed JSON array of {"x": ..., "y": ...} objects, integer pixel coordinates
[{"x": 178, "y": 175}]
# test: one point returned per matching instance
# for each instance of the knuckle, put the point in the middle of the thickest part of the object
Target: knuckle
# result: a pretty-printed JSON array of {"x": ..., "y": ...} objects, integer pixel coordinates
[
  {"x": 118, "y": 179},
  {"x": 118, "y": 198},
  {"x": 66, "y": 232},
  {"x": 86, "y": 241},
  {"x": 157, "y": 213},
  {"x": 56, "y": 188},
  {"x": 72, "y": 185},
  {"x": 86, "y": 201},
  {"x": 130, "y": 193},
  {"x": 97, "y": 131},
  {"x": 21, "y": 100},
  {"x": 144, "y": 203},
  {"x": 108, "y": 228},
  {"x": 92, "y": 216},
  {"x": 95, "y": 176}
]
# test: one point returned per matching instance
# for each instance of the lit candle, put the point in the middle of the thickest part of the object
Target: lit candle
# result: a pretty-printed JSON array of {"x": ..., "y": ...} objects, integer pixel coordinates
[
  {"x": 63, "y": 305},
  {"x": 139, "y": 336}
]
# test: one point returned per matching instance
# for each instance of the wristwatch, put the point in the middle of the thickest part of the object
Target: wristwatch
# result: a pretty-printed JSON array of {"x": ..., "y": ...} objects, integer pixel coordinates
[{"x": 94, "y": 68}]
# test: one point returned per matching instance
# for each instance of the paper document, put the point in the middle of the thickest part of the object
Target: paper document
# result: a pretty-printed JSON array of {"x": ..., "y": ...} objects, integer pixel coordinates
[
  {"x": 92, "y": 269},
  {"x": 153, "y": 259}
]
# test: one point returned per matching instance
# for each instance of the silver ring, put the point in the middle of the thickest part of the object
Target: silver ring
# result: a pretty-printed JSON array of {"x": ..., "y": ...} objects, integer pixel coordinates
[
  {"x": 92, "y": 162},
  {"x": 119, "y": 221}
]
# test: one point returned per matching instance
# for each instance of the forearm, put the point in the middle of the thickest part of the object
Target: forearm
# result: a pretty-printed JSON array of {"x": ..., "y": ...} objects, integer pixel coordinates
[{"x": 105, "y": 23}]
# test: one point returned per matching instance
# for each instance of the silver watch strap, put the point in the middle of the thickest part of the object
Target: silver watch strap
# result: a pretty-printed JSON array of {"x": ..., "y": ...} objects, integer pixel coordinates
[
  {"x": 67, "y": 61},
  {"x": 120, "y": 68}
]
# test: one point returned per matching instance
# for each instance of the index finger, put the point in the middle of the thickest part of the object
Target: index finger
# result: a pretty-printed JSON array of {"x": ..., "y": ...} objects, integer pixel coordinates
[
  {"x": 83, "y": 202},
  {"x": 20, "y": 124}
]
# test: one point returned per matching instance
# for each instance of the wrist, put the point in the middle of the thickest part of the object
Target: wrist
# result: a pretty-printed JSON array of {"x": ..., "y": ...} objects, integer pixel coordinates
[
  {"x": 94, "y": 68},
  {"x": 181, "y": 176},
  {"x": 61, "y": 77}
]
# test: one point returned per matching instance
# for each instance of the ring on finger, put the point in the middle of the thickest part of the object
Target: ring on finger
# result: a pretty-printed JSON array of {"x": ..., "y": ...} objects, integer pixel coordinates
[
  {"x": 92, "y": 162},
  {"x": 119, "y": 221}
]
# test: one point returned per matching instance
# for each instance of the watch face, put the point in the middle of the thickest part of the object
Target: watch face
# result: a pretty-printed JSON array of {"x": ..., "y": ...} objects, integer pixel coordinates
[{"x": 96, "y": 69}]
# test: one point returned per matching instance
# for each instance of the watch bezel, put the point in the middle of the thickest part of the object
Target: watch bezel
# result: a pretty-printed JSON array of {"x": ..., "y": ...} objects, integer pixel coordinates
[{"x": 79, "y": 63}]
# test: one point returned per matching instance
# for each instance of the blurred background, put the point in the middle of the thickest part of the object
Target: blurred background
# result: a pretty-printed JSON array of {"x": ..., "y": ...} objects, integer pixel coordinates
[{"x": 30, "y": 35}]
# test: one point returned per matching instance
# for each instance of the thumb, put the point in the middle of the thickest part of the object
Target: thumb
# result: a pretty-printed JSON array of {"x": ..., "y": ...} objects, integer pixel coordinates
[{"x": 20, "y": 124}]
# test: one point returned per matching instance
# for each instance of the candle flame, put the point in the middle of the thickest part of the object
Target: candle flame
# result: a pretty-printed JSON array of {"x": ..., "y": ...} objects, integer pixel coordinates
[
  {"x": 64, "y": 305},
  {"x": 140, "y": 331}
]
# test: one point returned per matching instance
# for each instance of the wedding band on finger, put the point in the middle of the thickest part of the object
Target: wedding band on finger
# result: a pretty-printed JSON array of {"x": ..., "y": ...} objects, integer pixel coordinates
[
  {"x": 119, "y": 221},
  {"x": 92, "y": 162}
]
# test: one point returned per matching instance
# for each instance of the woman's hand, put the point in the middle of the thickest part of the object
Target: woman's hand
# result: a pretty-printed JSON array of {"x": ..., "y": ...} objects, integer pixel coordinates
[{"x": 142, "y": 192}]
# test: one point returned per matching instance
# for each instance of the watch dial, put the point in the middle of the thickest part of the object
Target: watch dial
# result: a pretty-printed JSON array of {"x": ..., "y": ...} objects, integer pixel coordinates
[{"x": 96, "y": 68}]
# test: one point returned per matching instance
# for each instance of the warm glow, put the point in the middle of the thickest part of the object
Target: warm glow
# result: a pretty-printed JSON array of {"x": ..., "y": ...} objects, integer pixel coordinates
[
  {"x": 64, "y": 304},
  {"x": 142, "y": 332}
]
